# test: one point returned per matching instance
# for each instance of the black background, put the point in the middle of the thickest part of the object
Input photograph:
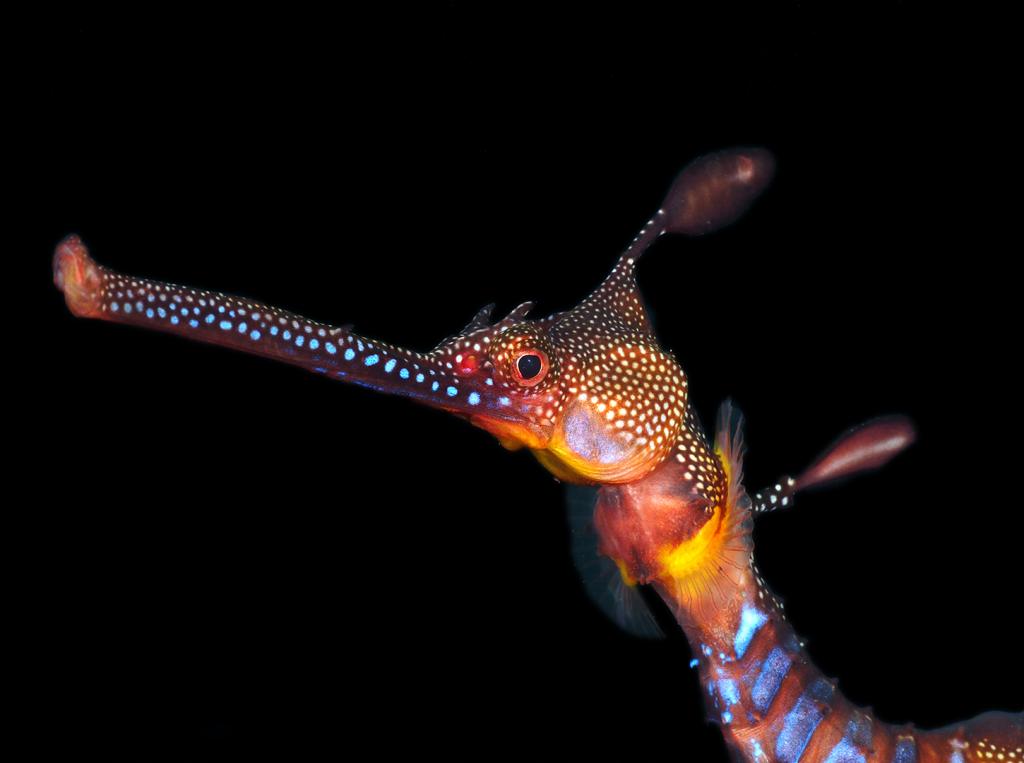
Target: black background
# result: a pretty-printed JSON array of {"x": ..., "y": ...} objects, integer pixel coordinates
[{"x": 227, "y": 557}]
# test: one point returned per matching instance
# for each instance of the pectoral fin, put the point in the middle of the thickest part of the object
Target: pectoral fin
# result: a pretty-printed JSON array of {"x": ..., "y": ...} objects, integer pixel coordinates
[{"x": 619, "y": 600}]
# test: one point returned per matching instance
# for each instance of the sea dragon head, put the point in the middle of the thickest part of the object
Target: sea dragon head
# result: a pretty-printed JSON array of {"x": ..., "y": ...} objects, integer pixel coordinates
[{"x": 588, "y": 390}]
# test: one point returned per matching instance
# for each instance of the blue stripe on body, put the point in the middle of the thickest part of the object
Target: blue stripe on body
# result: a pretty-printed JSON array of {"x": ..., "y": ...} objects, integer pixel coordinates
[
  {"x": 776, "y": 666},
  {"x": 906, "y": 751},
  {"x": 845, "y": 752},
  {"x": 751, "y": 621},
  {"x": 801, "y": 722},
  {"x": 729, "y": 691},
  {"x": 859, "y": 735}
]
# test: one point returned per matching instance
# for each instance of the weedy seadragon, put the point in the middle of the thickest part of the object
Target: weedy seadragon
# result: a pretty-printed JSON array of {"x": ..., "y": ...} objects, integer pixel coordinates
[{"x": 593, "y": 395}]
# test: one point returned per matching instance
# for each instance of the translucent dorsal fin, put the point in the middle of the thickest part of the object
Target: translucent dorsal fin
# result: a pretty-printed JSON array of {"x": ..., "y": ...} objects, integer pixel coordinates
[{"x": 620, "y": 602}]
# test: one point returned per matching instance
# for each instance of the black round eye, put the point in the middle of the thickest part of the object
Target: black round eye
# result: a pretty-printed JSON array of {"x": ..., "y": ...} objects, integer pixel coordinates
[{"x": 529, "y": 365}]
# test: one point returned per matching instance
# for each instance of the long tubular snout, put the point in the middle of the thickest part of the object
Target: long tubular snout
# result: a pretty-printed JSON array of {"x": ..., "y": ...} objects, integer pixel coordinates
[{"x": 92, "y": 291}]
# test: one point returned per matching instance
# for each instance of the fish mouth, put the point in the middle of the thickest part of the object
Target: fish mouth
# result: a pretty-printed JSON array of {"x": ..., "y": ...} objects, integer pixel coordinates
[{"x": 512, "y": 432}]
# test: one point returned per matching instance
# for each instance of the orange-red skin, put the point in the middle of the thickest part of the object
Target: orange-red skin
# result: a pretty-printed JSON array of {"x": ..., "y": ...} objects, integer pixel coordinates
[
  {"x": 635, "y": 521},
  {"x": 647, "y": 507}
]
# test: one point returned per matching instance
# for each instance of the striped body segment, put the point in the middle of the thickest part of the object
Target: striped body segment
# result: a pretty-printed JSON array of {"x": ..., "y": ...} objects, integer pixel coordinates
[
  {"x": 760, "y": 686},
  {"x": 773, "y": 704}
]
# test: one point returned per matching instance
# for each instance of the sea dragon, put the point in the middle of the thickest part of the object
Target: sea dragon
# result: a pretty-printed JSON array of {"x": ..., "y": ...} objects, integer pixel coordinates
[{"x": 597, "y": 400}]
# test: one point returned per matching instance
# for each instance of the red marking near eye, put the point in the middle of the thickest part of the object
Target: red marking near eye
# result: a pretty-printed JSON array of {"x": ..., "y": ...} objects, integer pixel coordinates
[
  {"x": 539, "y": 376},
  {"x": 467, "y": 365}
]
